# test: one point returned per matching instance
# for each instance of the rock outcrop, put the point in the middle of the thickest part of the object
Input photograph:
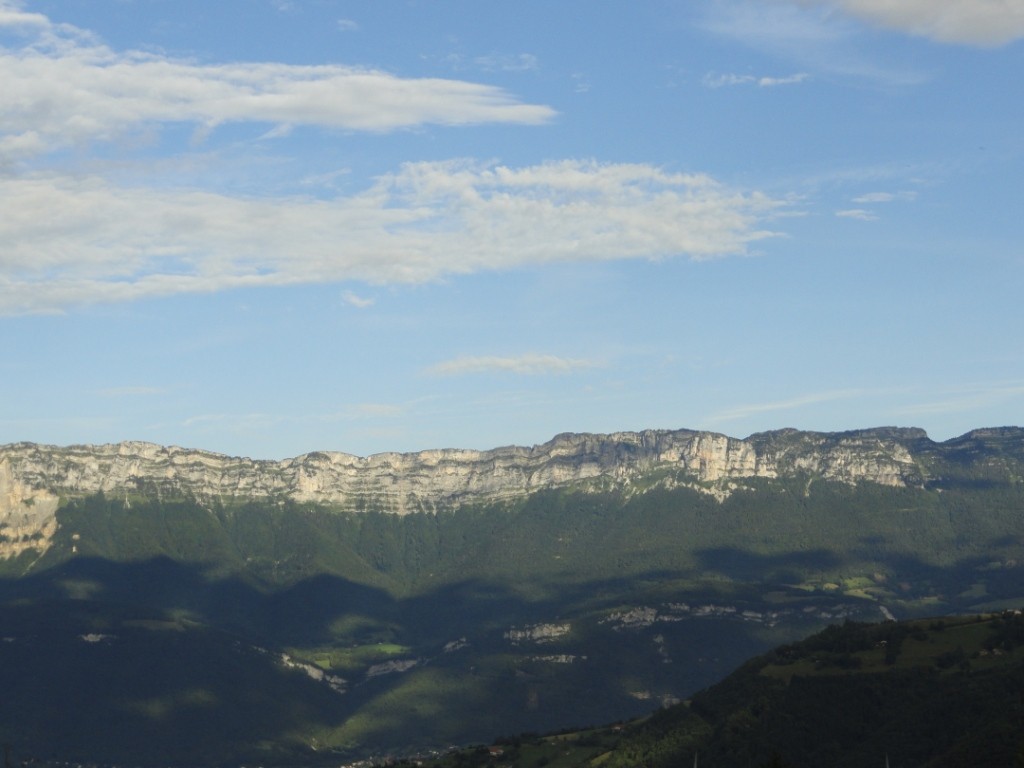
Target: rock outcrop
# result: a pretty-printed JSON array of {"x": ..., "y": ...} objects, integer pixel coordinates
[
  {"x": 27, "y": 513},
  {"x": 33, "y": 477},
  {"x": 408, "y": 482}
]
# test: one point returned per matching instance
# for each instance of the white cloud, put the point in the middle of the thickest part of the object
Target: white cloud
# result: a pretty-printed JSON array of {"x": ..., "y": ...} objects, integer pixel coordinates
[
  {"x": 355, "y": 300},
  {"x": 522, "y": 62},
  {"x": 714, "y": 80},
  {"x": 885, "y": 197},
  {"x": 61, "y": 88},
  {"x": 768, "y": 82},
  {"x": 115, "y": 243},
  {"x": 857, "y": 213},
  {"x": 522, "y": 364},
  {"x": 12, "y": 15},
  {"x": 426, "y": 220},
  {"x": 966, "y": 22},
  {"x": 875, "y": 197},
  {"x": 347, "y": 25}
]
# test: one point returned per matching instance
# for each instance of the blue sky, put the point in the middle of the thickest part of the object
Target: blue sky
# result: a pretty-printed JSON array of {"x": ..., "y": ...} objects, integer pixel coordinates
[{"x": 267, "y": 227}]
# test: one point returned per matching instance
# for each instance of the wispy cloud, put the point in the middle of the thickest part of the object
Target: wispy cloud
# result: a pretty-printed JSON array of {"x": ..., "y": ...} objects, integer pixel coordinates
[
  {"x": 522, "y": 62},
  {"x": 715, "y": 80},
  {"x": 116, "y": 242},
  {"x": 808, "y": 24},
  {"x": 62, "y": 88},
  {"x": 809, "y": 32},
  {"x": 522, "y": 364},
  {"x": 857, "y": 213},
  {"x": 773, "y": 24},
  {"x": 347, "y": 25},
  {"x": 422, "y": 222},
  {"x": 967, "y": 22},
  {"x": 581, "y": 83},
  {"x": 754, "y": 409},
  {"x": 875, "y": 197},
  {"x": 355, "y": 300},
  {"x": 328, "y": 180},
  {"x": 885, "y": 197},
  {"x": 968, "y": 399},
  {"x": 769, "y": 82}
]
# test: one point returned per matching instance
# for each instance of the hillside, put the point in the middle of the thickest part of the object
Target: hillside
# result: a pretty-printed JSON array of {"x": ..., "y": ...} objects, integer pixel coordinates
[
  {"x": 940, "y": 692},
  {"x": 610, "y": 576}
]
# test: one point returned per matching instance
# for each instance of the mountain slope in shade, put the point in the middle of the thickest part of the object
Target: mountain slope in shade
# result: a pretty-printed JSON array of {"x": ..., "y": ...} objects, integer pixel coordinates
[
  {"x": 940, "y": 692},
  {"x": 936, "y": 692},
  {"x": 626, "y": 587}
]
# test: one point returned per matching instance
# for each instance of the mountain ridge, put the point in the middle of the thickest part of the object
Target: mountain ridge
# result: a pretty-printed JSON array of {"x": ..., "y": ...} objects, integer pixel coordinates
[
  {"x": 616, "y": 572},
  {"x": 883, "y": 455},
  {"x": 35, "y": 478}
]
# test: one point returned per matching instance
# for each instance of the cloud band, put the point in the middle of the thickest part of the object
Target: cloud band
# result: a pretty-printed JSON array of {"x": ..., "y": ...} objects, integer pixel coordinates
[{"x": 77, "y": 240}]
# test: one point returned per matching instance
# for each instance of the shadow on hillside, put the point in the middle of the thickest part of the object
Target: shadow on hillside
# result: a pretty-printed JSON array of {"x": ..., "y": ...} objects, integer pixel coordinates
[
  {"x": 158, "y": 660},
  {"x": 320, "y": 609},
  {"x": 88, "y": 680},
  {"x": 301, "y": 613},
  {"x": 785, "y": 567},
  {"x": 148, "y": 657},
  {"x": 958, "y": 585}
]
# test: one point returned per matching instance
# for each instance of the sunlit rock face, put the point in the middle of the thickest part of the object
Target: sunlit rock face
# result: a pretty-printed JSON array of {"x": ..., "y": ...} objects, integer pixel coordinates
[
  {"x": 34, "y": 477},
  {"x": 27, "y": 514}
]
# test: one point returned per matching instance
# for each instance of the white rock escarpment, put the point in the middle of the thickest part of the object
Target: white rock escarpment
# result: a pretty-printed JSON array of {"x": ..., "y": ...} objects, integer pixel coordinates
[
  {"x": 27, "y": 514},
  {"x": 33, "y": 477},
  {"x": 428, "y": 480}
]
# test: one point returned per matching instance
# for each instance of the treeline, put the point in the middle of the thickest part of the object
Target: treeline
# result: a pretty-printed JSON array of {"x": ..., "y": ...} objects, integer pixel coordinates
[{"x": 918, "y": 709}]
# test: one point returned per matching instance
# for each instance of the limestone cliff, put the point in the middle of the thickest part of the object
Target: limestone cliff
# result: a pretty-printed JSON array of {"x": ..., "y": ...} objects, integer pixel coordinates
[
  {"x": 33, "y": 477},
  {"x": 27, "y": 514}
]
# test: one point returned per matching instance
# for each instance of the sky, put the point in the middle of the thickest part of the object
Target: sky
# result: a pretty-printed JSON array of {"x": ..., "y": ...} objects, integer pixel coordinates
[{"x": 269, "y": 227}]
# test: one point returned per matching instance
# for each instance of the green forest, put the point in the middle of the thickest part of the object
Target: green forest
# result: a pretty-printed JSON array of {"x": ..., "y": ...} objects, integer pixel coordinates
[
  {"x": 293, "y": 633},
  {"x": 938, "y": 692}
]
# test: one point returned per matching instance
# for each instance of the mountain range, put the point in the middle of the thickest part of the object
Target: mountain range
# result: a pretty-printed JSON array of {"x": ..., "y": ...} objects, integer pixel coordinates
[
  {"x": 429, "y": 481},
  {"x": 328, "y": 606}
]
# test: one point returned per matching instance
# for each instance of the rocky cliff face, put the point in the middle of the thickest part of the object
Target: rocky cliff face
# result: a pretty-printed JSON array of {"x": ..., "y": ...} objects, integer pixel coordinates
[
  {"x": 33, "y": 477},
  {"x": 27, "y": 514}
]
